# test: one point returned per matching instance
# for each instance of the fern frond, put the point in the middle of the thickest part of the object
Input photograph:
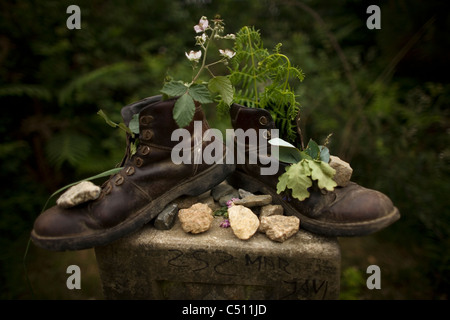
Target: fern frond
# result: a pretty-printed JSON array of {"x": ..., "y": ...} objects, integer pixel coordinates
[
  {"x": 263, "y": 80},
  {"x": 68, "y": 147},
  {"x": 98, "y": 75},
  {"x": 26, "y": 90}
]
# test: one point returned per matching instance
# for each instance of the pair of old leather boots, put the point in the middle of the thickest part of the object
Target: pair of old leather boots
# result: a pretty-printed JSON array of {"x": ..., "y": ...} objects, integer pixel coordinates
[{"x": 150, "y": 180}]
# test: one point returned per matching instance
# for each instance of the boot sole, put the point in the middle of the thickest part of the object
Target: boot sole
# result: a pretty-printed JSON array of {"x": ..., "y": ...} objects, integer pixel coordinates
[
  {"x": 193, "y": 186},
  {"x": 246, "y": 182}
]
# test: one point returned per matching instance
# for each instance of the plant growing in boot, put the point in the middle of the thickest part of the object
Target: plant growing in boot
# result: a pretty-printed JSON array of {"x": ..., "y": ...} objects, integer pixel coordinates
[
  {"x": 263, "y": 80},
  {"x": 198, "y": 91}
]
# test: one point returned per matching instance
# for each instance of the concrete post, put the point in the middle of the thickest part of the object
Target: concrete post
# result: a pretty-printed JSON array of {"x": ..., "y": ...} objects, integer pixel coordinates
[{"x": 216, "y": 265}]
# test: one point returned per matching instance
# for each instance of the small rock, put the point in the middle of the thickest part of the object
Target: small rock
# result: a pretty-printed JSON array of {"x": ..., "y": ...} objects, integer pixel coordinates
[
  {"x": 79, "y": 193},
  {"x": 271, "y": 210},
  {"x": 279, "y": 228},
  {"x": 254, "y": 201},
  {"x": 343, "y": 171},
  {"x": 166, "y": 219},
  {"x": 244, "y": 193},
  {"x": 221, "y": 190},
  {"x": 196, "y": 219},
  {"x": 243, "y": 221},
  {"x": 234, "y": 194}
]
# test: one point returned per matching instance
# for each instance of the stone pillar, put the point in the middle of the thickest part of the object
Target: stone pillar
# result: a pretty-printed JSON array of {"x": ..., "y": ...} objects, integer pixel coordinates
[{"x": 216, "y": 265}]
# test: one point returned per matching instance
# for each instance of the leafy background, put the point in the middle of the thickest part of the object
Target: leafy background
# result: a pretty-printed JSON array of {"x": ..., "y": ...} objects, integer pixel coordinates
[{"x": 384, "y": 94}]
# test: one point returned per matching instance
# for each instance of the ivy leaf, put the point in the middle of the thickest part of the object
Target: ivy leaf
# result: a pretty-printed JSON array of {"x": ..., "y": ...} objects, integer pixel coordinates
[
  {"x": 223, "y": 86},
  {"x": 200, "y": 93},
  {"x": 323, "y": 173},
  {"x": 183, "y": 111},
  {"x": 174, "y": 88}
]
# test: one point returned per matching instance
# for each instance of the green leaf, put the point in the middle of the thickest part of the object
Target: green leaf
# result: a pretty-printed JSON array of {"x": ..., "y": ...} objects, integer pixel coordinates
[
  {"x": 323, "y": 173},
  {"x": 313, "y": 149},
  {"x": 134, "y": 124},
  {"x": 115, "y": 125},
  {"x": 223, "y": 86},
  {"x": 289, "y": 155},
  {"x": 102, "y": 114},
  {"x": 324, "y": 154},
  {"x": 174, "y": 88},
  {"x": 305, "y": 156},
  {"x": 299, "y": 180},
  {"x": 282, "y": 182},
  {"x": 200, "y": 93},
  {"x": 286, "y": 152},
  {"x": 183, "y": 111}
]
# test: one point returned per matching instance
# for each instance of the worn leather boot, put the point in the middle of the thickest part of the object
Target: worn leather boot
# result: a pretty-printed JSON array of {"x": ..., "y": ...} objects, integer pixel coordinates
[
  {"x": 131, "y": 198},
  {"x": 347, "y": 211}
]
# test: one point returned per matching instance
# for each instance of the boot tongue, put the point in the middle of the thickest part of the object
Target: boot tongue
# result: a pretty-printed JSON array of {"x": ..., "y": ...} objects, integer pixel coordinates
[{"x": 130, "y": 110}]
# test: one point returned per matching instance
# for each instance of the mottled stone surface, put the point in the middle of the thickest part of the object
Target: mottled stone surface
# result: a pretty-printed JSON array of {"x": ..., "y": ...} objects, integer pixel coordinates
[
  {"x": 173, "y": 264},
  {"x": 279, "y": 228},
  {"x": 271, "y": 210},
  {"x": 234, "y": 194},
  {"x": 166, "y": 219},
  {"x": 254, "y": 201},
  {"x": 343, "y": 171},
  {"x": 196, "y": 219},
  {"x": 79, "y": 193},
  {"x": 243, "y": 221},
  {"x": 244, "y": 193},
  {"x": 221, "y": 190}
]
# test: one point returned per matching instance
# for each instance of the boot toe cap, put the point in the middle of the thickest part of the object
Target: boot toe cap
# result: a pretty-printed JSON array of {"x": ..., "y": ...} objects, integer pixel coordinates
[{"x": 57, "y": 222}]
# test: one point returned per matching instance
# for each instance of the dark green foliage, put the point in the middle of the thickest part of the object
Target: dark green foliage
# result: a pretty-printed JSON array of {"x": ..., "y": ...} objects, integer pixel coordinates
[
  {"x": 384, "y": 94},
  {"x": 262, "y": 80}
]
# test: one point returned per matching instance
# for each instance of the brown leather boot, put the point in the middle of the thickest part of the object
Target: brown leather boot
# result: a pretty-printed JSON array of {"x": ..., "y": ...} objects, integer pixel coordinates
[
  {"x": 148, "y": 181},
  {"x": 347, "y": 211}
]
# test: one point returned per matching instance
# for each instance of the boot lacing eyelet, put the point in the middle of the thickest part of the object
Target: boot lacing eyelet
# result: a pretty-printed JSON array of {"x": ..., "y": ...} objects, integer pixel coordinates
[
  {"x": 266, "y": 134},
  {"x": 145, "y": 120},
  {"x": 119, "y": 180},
  {"x": 107, "y": 189},
  {"x": 130, "y": 171},
  {"x": 263, "y": 120},
  {"x": 138, "y": 162},
  {"x": 145, "y": 150},
  {"x": 147, "y": 134}
]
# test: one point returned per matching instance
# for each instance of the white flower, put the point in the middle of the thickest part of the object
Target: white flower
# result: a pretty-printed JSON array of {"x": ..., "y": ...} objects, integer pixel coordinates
[
  {"x": 202, "y": 25},
  {"x": 201, "y": 39},
  {"x": 227, "y": 53},
  {"x": 193, "y": 55}
]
